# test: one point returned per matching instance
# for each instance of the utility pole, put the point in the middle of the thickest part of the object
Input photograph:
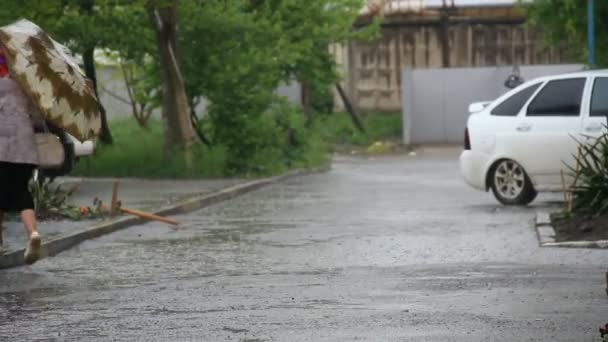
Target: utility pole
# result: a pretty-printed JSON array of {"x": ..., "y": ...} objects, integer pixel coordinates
[
  {"x": 591, "y": 31},
  {"x": 444, "y": 22}
]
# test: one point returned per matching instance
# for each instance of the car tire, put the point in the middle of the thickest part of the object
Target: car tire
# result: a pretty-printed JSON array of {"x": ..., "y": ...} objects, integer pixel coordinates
[{"x": 510, "y": 183}]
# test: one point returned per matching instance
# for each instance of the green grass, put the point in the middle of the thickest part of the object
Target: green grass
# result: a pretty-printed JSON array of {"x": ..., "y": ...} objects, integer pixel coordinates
[
  {"x": 339, "y": 129},
  {"x": 138, "y": 152}
]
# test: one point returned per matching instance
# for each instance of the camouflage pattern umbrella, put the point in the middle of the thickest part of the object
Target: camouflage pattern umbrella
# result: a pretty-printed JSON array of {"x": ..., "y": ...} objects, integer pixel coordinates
[{"x": 52, "y": 78}]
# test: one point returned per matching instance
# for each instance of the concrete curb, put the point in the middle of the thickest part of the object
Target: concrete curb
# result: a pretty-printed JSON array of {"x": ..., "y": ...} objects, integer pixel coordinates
[
  {"x": 546, "y": 235},
  {"x": 62, "y": 243}
]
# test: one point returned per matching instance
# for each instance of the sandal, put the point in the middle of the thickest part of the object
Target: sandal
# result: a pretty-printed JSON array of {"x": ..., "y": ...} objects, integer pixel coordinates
[{"x": 32, "y": 251}]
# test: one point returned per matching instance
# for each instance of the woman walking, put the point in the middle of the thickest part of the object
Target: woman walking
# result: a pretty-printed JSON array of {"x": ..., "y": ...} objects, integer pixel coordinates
[{"x": 18, "y": 157}]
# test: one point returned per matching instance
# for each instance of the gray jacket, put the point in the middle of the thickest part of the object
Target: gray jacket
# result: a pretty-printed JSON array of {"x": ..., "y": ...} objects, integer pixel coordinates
[{"x": 17, "y": 117}]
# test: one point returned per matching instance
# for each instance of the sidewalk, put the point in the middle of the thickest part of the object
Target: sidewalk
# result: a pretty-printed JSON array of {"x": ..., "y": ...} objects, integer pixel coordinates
[{"x": 141, "y": 194}]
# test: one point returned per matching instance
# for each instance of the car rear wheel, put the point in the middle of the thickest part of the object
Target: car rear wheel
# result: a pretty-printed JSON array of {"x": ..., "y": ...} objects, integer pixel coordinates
[{"x": 510, "y": 184}]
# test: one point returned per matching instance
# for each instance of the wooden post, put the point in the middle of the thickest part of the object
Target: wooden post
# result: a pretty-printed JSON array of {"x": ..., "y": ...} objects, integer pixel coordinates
[
  {"x": 444, "y": 34},
  {"x": 577, "y": 168},
  {"x": 113, "y": 204},
  {"x": 561, "y": 172},
  {"x": 350, "y": 109}
]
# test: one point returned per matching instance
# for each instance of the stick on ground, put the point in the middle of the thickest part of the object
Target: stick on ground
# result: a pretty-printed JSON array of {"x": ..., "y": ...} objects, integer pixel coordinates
[{"x": 148, "y": 216}]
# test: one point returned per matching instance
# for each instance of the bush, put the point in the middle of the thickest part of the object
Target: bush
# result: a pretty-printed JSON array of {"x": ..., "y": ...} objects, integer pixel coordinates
[
  {"x": 276, "y": 141},
  {"x": 244, "y": 145},
  {"x": 339, "y": 129},
  {"x": 267, "y": 144},
  {"x": 302, "y": 147},
  {"x": 590, "y": 189}
]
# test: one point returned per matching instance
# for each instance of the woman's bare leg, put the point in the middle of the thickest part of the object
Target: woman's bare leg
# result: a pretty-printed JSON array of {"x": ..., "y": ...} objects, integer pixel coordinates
[
  {"x": 1, "y": 229},
  {"x": 28, "y": 217},
  {"x": 32, "y": 252}
]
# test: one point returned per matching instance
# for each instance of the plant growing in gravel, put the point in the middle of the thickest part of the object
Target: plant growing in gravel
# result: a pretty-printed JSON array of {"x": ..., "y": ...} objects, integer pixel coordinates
[
  {"x": 51, "y": 202},
  {"x": 590, "y": 187}
]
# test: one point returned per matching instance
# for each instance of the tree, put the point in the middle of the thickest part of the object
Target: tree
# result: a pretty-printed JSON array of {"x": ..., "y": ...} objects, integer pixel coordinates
[
  {"x": 310, "y": 28},
  {"x": 175, "y": 104},
  {"x": 79, "y": 26},
  {"x": 236, "y": 53},
  {"x": 564, "y": 23},
  {"x": 83, "y": 25}
]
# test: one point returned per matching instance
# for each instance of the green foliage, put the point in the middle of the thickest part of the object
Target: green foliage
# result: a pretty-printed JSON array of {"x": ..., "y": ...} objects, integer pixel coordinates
[
  {"x": 278, "y": 140},
  {"x": 339, "y": 129},
  {"x": 303, "y": 31},
  {"x": 115, "y": 24},
  {"x": 322, "y": 97},
  {"x": 302, "y": 147},
  {"x": 590, "y": 189},
  {"x": 275, "y": 141},
  {"x": 233, "y": 53},
  {"x": 138, "y": 152},
  {"x": 236, "y": 54},
  {"x": 285, "y": 143},
  {"x": 564, "y": 23},
  {"x": 51, "y": 201}
]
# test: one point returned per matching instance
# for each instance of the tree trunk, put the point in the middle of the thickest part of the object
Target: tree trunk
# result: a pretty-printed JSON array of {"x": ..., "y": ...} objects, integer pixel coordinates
[
  {"x": 175, "y": 108},
  {"x": 349, "y": 108},
  {"x": 88, "y": 58},
  {"x": 307, "y": 101},
  {"x": 194, "y": 118}
]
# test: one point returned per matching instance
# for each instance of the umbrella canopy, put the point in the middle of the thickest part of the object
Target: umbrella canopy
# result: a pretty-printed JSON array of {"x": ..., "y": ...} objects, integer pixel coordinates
[{"x": 52, "y": 78}]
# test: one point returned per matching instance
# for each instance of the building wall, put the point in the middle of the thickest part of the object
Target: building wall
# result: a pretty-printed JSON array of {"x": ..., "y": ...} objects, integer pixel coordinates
[
  {"x": 471, "y": 37},
  {"x": 114, "y": 97}
]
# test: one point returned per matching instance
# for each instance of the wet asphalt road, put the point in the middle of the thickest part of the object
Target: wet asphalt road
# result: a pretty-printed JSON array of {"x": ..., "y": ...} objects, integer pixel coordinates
[{"x": 394, "y": 249}]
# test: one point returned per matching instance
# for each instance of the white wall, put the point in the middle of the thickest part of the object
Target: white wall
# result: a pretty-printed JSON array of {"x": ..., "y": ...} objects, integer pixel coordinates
[{"x": 110, "y": 78}]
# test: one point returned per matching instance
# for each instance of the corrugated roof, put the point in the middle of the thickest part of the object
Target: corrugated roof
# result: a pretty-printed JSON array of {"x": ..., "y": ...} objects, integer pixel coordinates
[
  {"x": 408, "y": 6},
  {"x": 468, "y": 3}
]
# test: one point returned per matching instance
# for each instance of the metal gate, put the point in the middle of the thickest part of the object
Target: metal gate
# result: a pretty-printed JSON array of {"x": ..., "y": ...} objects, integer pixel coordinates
[{"x": 435, "y": 101}]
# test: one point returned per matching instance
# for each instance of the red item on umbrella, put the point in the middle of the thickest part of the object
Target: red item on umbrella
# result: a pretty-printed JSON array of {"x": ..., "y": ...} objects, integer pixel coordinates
[{"x": 3, "y": 65}]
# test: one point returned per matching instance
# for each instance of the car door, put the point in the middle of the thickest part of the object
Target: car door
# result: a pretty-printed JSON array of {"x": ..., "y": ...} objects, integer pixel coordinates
[
  {"x": 596, "y": 113},
  {"x": 545, "y": 131},
  {"x": 502, "y": 119}
]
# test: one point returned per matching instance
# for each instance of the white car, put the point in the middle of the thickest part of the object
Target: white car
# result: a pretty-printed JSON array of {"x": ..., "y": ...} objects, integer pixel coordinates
[
  {"x": 518, "y": 144},
  {"x": 73, "y": 149},
  {"x": 82, "y": 149}
]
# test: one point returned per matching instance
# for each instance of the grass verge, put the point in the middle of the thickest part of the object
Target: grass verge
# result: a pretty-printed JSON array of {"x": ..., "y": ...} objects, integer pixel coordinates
[
  {"x": 139, "y": 152},
  {"x": 339, "y": 129}
]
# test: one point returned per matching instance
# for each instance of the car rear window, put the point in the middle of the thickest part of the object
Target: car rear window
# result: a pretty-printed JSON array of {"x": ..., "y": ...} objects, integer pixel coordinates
[
  {"x": 558, "y": 98},
  {"x": 599, "y": 97},
  {"x": 512, "y": 105}
]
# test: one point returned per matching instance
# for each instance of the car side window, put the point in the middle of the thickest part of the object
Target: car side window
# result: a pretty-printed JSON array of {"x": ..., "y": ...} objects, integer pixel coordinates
[
  {"x": 599, "y": 97},
  {"x": 512, "y": 105},
  {"x": 558, "y": 98}
]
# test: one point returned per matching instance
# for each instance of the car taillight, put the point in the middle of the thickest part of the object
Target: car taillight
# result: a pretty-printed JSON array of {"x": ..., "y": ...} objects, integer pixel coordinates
[{"x": 467, "y": 140}]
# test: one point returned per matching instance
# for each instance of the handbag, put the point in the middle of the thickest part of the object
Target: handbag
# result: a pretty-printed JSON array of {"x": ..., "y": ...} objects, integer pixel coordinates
[{"x": 51, "y": 154}]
